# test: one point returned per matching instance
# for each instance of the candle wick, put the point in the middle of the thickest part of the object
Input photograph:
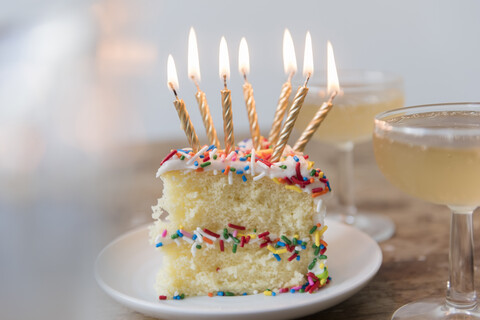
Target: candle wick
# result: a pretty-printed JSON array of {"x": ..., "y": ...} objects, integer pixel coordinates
[
  {"x": 173, "y": 89},
  {"x": 195, "y": 82},
  {"x": 332, "y": 96},
  {"x": 225, "y": 81},
  {"x": 245, "y": 77},
  {"x": 306, "y": 80},
  {"x": 290, "y": 76}
]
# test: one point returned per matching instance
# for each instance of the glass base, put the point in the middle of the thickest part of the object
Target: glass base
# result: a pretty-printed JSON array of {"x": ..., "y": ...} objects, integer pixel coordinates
[
  {"x": 430, "y": 309},
  {"x": 377, "y": 226}
]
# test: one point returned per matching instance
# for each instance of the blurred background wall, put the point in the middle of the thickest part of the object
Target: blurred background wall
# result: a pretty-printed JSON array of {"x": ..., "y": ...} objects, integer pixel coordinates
[
  {"x": 101, "y": 65},
  {"x": 78, "y": 78}
]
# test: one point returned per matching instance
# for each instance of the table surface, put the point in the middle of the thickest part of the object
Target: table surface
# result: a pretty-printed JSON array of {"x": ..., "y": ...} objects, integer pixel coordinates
[{"x": 415, "y": 259}]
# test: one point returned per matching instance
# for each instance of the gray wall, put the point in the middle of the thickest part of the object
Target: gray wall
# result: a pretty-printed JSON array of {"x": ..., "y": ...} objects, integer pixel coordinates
[{"x": 102, "y": 64}]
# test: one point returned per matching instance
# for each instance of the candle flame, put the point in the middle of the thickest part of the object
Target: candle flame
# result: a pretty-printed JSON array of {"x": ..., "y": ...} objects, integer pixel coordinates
[
  {"x": 224, "y": 64},
  {"x": 308, "y": 56},
  {"x": 332, "y": 76},
  {"x": 243, "y": 58},
  {"x": 193, "y": 63},
  {"x": 172, "y": 81},
  {"x": 289, "y": 58}
]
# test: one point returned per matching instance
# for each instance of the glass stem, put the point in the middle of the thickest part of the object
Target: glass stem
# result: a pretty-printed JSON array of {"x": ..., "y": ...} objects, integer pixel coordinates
[
  {"x": 460, "y": 287},
  {"x": 346, "y": 192}
]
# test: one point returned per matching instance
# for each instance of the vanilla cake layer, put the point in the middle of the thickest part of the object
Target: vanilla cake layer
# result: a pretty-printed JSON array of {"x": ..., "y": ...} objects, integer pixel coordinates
[
  {"x": 210, "y": 270},
  {"x": 201, "y": 199}
]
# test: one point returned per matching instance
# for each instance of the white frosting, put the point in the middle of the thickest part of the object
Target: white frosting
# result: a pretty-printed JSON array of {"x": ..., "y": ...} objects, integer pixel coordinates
[{"x": 257, "y": 169}]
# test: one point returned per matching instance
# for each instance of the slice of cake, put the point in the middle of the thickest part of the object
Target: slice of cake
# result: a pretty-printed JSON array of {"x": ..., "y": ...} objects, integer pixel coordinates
[{"x": 239, "y": 224}]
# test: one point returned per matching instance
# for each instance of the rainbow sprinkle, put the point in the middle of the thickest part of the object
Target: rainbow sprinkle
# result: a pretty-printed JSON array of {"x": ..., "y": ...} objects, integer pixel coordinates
[{"x": 209, "y": 158}]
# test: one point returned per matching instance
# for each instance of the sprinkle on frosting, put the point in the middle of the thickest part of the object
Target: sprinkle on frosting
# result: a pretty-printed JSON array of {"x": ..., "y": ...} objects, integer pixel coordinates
[{"x": 293, "y": 170}]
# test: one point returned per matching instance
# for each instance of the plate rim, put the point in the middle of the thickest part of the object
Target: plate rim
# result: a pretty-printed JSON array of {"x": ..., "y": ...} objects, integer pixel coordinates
[{"x": 148, "y": 307}]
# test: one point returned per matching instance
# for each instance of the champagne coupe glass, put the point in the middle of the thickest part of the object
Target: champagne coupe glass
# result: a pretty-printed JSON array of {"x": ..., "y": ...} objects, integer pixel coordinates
[
  {"x": 362, "y": 95},
  {"x": 417, "y": 148}
]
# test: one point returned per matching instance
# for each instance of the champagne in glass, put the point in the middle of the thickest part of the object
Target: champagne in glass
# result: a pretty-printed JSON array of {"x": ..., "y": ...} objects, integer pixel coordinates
[
  {"x": 433, "y": 152},
  {"x": 350, "y": 121}
]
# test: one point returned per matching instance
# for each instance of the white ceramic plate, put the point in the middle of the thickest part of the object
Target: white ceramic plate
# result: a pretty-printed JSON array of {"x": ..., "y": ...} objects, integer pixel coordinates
[{"x": 126, "y": 270}]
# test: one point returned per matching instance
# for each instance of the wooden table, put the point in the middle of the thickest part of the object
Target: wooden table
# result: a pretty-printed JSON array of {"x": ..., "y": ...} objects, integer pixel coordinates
[{"x": 415, "y": 260}]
